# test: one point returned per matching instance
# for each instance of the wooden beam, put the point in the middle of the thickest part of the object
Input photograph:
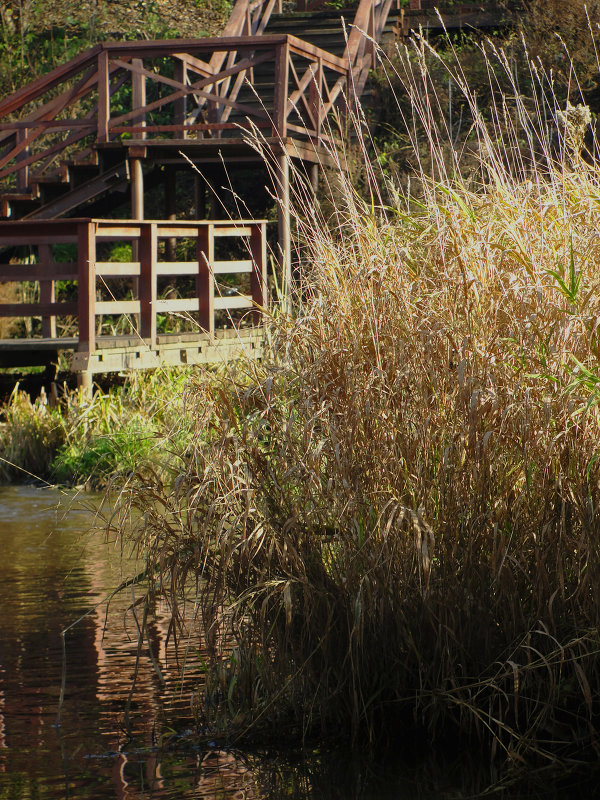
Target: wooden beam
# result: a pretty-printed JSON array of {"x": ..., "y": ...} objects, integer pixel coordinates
[
  {"x": 148, "y": 260},
  {"x": 86, "y": 287},
  {"x": 205, "y": 284}
]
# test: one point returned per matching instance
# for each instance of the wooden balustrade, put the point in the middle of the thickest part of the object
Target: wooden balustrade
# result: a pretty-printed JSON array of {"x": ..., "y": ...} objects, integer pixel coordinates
[
  {"x": 130, "y": 93},
  {"x": 88, "y": 238}
]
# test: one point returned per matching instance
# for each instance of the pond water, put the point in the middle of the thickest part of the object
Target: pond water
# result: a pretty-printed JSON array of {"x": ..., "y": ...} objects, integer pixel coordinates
[{"x": 56, "y": 570}]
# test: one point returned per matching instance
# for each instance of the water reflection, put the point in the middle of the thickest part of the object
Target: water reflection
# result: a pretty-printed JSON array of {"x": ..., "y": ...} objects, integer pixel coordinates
[{"x": 52, "y": 572}]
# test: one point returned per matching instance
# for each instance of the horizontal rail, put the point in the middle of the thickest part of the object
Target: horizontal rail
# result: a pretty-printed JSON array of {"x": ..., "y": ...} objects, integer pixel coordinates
[{"x": 36, "y": 309}]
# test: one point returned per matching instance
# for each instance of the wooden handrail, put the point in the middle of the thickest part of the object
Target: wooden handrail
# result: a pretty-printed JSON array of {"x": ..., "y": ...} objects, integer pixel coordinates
[
  {"x": 88, "y": 270},
  {"x": 109, "y": 66}
]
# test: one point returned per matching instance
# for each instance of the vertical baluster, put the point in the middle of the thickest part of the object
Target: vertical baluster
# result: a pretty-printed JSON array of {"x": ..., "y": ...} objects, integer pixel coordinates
[
  {"x": 180, "y": 105},
  {"x": 138, "y": 95},
  {"x": 103, "y": 96},
  {"x": 47, "y": 289},
  {"x": 282, "y": 189},
  {"x": 315, "y": 96},
  {"x": 282, "y": 54},
  {"x": 258, "y": 277},
  {"x": 205, "y": 282},
  {"x": 86, "y": 287},
  {"x": 148, "y": 249}
]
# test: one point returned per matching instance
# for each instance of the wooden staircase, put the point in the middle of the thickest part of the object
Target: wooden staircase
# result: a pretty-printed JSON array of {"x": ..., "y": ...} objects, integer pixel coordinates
[{"x": 72, "y": 135}]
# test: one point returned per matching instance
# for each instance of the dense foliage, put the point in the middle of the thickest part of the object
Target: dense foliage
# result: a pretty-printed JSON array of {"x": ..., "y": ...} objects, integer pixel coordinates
[{"x": 36, "y": 35}]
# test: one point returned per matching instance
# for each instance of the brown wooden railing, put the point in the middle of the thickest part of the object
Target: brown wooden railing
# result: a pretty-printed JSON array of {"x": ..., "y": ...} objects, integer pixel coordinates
[
  {"x": 113, "y": 80},
  {"x": 88, "y": 238}
]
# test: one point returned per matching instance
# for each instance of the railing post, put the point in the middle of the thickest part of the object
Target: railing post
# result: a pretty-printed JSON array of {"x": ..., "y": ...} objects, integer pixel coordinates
[
  {"x": 138, "y": 94},
  {"x": 86, "y": 286},
  {"x": 372, "y": 36},
  {"x": 180, "y": 105},
  {"x": 281, "y": 90},
  {"x": 258, "y": 277},
  {"x": 170, "y": 184},
  {"x": 23, "y": 173},
  {"x": 103, "y": 97},
  {"x": 148, "y": 251},
  {"x": 315, "y": 96},
  {"x": 47, "y": 290},
  {"x": 205, "y": 282},
  {"x": 282, "y": 189}
]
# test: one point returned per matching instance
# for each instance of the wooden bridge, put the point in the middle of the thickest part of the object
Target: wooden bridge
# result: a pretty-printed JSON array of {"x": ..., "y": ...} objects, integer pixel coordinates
[{"x": 121, "y": 123}]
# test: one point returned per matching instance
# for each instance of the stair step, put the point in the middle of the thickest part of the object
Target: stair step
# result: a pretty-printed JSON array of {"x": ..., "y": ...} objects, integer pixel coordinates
[
  {"x": 13, "y": 205},
  {"x": 50, "y": 189}
]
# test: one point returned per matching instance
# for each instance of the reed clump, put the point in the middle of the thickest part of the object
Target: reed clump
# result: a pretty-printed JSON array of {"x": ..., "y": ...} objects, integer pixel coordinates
[
  {"x": 94, "y": 441},
  {"x": 394, "y": 521}
]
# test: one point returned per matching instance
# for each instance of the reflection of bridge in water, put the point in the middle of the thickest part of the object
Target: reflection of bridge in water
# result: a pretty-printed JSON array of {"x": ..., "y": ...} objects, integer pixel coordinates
[{"x": 51, "y": 574}]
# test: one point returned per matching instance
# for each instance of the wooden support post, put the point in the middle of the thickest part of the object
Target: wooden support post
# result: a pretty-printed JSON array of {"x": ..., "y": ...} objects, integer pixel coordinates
[
  {"x": 86, "y": 285},
  {"x": 180, "y": 105},
  {"x": 85, "y": 383},
  {"x": 282, "y": 188},
  {"x": 258, "y": 277},
  {"x": 103, "y": 97},
  {"x": 137, "y": 188},
  {"x": 47, "y": 290},
  {"x": 147, "y": 284},
  {"x": 205, "y": 282},
  {"x": 171, "y": 208}
]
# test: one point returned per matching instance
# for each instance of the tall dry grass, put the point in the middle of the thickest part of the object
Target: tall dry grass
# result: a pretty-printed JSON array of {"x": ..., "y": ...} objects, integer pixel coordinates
[{"x": 394, "y": 521}]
